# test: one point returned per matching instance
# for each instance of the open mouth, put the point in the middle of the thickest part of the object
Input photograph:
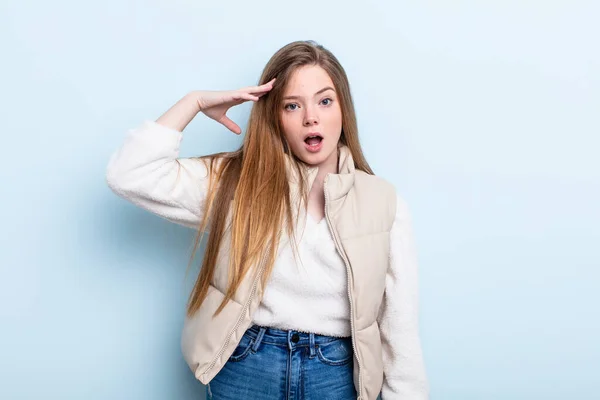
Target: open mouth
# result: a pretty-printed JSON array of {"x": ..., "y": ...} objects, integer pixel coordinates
[{"x": 313, "y": 140}]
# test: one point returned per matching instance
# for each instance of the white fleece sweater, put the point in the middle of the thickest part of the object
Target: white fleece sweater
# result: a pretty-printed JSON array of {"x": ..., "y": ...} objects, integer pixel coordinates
[
  {"x": 310, "y": 295},
  {"x": 147, "y": 171}
]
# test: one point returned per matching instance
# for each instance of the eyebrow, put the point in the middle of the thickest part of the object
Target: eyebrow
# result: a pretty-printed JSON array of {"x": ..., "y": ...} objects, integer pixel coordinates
[{"x": 319, "y": 92}]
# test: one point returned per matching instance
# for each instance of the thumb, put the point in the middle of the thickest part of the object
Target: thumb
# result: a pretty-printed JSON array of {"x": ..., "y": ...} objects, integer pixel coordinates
[{"x": 229, "y": 124}]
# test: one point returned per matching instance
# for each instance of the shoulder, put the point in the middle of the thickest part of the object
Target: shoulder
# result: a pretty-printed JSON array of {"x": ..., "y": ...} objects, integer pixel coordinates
[
  {"x": 375, "y": 183},
  {"x": 380, "y": 192},
  {"x": 386, "y": 192}
]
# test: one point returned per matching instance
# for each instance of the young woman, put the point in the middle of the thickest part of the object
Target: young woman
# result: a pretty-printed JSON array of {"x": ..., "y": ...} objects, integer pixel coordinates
[{"x": 308, "y": 286}]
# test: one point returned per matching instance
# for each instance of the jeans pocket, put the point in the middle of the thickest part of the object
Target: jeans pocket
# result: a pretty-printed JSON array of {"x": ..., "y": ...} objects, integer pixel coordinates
[
  {"x": 242, "y": 350},
  {"x": 337, "y": 352}
]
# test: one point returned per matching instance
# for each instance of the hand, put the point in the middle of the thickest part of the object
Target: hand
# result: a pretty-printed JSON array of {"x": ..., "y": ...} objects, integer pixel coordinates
[{"x": 215, "y": 104}]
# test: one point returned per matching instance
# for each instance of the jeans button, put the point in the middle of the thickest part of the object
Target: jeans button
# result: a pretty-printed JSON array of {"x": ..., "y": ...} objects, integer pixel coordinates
[{"x": 295, "y": 338}]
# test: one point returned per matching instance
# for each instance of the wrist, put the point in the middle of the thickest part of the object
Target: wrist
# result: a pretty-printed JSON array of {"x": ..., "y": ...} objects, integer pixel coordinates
[{"x": 193, "y": 98}]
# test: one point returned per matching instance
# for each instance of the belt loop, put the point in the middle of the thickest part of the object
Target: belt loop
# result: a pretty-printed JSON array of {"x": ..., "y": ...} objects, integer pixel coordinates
[
  {"x": 290, "y": 341},
  {"x": 311, "y": 340},
  {"x": 259, "y": 338}
]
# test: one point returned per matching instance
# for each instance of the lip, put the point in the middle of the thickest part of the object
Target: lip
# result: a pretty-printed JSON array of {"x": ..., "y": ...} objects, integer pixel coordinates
[
  {"x": 313, "y": 149},
  {"x": 309, "y": 134},
  {"x": 316, "y": 148}
]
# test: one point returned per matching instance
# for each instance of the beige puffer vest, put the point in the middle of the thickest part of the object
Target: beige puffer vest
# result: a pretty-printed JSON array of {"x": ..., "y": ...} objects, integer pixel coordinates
[{"x": 360, "y": 210}]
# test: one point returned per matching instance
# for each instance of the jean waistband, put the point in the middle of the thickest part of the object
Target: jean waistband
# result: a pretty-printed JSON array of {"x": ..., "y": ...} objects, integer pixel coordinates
[{"x": 289, "y": 338}]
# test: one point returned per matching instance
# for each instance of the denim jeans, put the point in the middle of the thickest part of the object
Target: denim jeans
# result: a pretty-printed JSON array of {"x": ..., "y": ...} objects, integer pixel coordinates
[{"x": 273, "y": 364}]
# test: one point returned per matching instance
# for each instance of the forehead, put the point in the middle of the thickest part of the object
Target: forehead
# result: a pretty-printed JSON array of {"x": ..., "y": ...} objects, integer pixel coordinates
[{"x": 307, "y": 80}]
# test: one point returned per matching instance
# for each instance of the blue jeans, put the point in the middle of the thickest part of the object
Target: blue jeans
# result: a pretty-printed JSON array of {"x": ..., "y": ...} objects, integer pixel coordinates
[{"x": 273, "y": 364}]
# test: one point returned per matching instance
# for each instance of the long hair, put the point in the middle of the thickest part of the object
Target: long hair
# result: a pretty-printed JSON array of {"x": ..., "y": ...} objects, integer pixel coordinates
[{"x": 251, "y": 184}]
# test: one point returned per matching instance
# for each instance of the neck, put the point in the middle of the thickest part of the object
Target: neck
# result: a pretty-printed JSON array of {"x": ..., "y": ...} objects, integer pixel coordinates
[{"x": 329, "y": 166}]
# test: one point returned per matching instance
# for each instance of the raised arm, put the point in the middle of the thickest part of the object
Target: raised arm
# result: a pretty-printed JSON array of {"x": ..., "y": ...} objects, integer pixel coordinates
[{"x": 147, "y": 170}]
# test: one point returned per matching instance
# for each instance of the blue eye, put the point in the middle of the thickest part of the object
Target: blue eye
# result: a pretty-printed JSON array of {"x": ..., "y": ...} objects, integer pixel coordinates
[
  {"x": 329, "y": 101},
  {"x": 287, "y": 106}
]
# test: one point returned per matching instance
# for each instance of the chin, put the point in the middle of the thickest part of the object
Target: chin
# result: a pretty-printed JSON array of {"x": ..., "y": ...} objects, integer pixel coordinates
[{"x": 315, "y": 159}]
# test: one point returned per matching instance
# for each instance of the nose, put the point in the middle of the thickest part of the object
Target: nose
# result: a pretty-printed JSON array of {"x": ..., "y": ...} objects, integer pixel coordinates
[{"x": 310, "y": 119}]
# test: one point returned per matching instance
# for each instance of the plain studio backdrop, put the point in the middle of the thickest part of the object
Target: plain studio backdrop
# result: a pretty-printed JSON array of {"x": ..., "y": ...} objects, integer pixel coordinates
[{"x": 484, "y": 114}]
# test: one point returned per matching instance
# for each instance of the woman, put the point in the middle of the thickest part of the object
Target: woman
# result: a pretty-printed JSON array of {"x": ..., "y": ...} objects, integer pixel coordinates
[{"x": 308, "y": 286}]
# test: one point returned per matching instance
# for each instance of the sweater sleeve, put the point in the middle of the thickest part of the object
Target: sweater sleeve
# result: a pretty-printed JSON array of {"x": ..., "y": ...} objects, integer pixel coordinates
[
  {"x": 404, "y": 370},
  {"x": 146, "y": 171}
]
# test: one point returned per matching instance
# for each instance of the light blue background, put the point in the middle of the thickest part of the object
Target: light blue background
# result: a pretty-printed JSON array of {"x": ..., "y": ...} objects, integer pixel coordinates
[{"x": 484, "y": 114}]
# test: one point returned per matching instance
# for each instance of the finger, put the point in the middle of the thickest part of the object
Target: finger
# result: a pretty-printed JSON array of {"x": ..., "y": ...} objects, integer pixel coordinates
[
  {"x": 260, "y": 92},
  {"x": 270, "y": 83},
  {"x": 240, "y": 97},
  {"x": 261, "y": 88},
  {"x": 249, "y": 96},
  {"x": 229, "y": 124}
]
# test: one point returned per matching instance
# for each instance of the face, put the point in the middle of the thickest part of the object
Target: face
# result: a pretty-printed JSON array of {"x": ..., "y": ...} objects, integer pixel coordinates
[{"x": 312, "y": 117}]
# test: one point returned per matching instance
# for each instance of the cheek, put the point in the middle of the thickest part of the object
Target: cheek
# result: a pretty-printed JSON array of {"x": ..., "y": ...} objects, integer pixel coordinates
[
  {"x": 289, "y": 127},
  {"x": 334, "y": 120}
]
